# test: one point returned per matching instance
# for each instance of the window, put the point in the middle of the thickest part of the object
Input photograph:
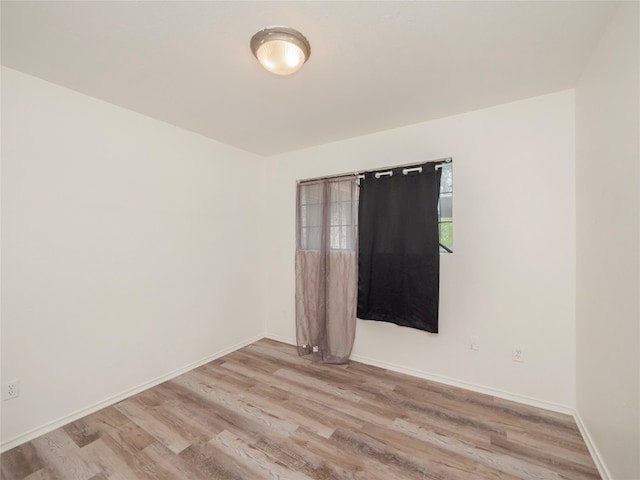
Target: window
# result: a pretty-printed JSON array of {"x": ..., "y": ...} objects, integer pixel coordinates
[
  {"x": 343, "y": 213},
  {"x": 445, "y": 209},
  {"x": 332, "y": 203}
]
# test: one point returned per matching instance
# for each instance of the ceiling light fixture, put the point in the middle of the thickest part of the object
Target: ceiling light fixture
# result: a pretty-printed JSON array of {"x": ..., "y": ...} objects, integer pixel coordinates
[{"x": 281, "y": 50}]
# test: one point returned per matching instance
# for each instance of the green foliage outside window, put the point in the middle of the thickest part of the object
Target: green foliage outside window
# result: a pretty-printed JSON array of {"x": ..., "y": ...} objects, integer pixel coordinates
[
  {"x": 445, "y": 209},
  {"x": 446, "y": 235}
]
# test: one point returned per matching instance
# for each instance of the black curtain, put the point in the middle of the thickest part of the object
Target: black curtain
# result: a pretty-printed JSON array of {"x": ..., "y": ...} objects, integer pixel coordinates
[{"x": 399, "y": 258}]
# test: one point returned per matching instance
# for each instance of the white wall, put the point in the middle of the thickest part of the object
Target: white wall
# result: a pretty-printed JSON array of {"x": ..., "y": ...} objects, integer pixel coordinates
[
  {"x": 608, "y": 245},
  {"x": 511, "y": 280},
  {"x": 129, "y": 251}
]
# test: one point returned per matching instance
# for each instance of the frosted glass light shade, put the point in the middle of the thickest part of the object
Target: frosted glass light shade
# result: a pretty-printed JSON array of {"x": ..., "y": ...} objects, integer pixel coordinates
[
  {"x": 280, "y": 57},
  {"x": 280, "y": 50}
]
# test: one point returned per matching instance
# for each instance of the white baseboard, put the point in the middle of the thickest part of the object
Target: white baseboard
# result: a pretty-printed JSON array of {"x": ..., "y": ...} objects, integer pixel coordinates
[
  {"x": 595, "y": 454},
  {"x": 280, "y": 338},
  {"x": 534, "y": 402},
  {"x": 449, "y": 381},
  {"x": 30, "y": 435},
  {"x": 36, "y": 432}
]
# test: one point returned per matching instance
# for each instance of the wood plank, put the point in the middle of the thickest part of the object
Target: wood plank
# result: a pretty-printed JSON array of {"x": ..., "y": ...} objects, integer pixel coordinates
[
  {"x": 143, "y": 418},
  {"x": 551, "y": 459},
  {"x": 280, "y": 404},
  {"x": 166, "y": 466},
  {"x": 46, "y": 473},
  {"x": 62, "y": 456},
  {"x": 106, "y": 461},
  {"x": 246, "y": 409},
  {"x": 487, "y": 463},
  {"x": 258, "y": 462},
  {"x": 337, "y": 462},
  {"x": 81, "y": 433},
  {"x": 111, "y": 422},
  {"x": 264, "y": 412},
  {"x": 20, "y": 462},
  {"x": 205, "y": 461}
]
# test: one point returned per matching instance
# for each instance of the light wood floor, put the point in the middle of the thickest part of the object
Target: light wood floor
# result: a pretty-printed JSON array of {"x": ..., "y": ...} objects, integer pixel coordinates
[{"x": 264, "y": 413}]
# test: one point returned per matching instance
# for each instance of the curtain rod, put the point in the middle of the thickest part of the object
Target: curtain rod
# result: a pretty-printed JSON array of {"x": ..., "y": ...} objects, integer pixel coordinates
[{"x": 438, "y": 161}]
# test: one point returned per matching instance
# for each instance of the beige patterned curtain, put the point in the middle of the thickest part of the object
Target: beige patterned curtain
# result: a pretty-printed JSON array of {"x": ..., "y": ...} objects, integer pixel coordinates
[{"x": 326, "y": 268}]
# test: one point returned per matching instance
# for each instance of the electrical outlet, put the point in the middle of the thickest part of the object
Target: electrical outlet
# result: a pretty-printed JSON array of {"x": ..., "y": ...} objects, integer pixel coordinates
[
  {"x": 474, "y": 343},
  {"x": 10, "y": 390},
  {"x": 517, "y": 355}
]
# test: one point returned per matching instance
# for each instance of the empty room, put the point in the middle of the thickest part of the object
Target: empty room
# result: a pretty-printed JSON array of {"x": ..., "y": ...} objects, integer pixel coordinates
[{"x": 320, "y": 240}]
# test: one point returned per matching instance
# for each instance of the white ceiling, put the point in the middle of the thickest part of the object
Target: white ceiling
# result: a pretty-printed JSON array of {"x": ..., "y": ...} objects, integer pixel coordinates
[{"x": 374, "y": 65}]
